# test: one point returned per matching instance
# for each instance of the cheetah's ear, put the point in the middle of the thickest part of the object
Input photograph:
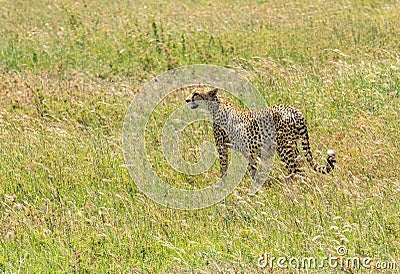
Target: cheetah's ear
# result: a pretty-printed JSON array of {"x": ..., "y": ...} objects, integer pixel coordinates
[{"x": 213, "y": 92}]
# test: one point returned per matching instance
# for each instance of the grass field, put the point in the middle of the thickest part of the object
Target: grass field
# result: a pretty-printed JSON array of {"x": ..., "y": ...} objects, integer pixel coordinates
[{"x": 69, "y": 70}]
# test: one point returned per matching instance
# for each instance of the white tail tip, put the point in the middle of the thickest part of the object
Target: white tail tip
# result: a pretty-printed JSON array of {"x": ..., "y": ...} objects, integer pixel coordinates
[{"x": 331, "y": 152}]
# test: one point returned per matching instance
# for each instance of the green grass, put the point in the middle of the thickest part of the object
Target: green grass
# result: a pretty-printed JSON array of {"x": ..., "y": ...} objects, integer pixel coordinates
[{"x": 69, "y": 70}]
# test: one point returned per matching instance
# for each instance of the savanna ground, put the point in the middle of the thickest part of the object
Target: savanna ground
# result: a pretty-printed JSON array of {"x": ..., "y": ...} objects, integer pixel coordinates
[{"x": 69, "y": 70}]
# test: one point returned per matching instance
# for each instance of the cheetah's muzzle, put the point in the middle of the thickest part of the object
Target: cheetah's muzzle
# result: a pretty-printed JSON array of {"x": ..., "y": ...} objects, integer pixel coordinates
[{"x": 193, "y": 104}]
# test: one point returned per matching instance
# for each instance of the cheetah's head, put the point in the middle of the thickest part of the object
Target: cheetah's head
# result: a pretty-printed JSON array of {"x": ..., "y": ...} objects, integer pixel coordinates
[{"x": 202, "y": 97}]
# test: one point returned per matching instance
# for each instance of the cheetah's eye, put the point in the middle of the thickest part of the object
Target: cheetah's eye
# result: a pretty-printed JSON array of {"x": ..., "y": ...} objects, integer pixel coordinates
[{"x": 197, "y": 96}]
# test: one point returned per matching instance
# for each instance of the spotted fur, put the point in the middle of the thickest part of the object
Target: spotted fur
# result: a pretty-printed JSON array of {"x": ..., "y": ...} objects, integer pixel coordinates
[
  {"x": 252, "y": 131},
  {"x": 291, "y": 127}
]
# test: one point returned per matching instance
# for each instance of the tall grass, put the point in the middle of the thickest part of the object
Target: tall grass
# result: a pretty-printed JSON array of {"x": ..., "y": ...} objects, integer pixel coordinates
[{"x": 68, "y": 71}]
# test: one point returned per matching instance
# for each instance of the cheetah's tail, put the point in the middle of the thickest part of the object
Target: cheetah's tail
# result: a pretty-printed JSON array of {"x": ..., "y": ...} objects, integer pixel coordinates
[{"x": 331, "y": 159}]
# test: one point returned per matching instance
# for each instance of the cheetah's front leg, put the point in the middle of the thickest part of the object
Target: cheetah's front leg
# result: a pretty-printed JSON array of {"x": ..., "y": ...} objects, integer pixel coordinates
[
  {"x": 221, "y": 141},
  {"x": 252, "y": 168}
]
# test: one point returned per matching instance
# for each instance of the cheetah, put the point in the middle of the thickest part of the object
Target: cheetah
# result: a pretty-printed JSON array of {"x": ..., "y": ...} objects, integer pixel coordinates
[{"x": 250, "y": 131}]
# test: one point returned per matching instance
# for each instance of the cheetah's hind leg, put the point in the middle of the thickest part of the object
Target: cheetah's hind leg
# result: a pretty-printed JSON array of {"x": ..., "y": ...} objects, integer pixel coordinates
[{"x": 290, "y": 156}]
